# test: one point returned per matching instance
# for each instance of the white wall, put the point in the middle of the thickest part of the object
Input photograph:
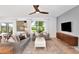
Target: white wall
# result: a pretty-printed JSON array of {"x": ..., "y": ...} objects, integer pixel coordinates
[
  {"x": 50, "y": 23},
  {"x": 73, "y": 16},
  {"x": 52, "y": 26}
]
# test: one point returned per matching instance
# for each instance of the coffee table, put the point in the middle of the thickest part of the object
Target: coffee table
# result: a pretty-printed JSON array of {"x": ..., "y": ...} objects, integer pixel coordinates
[{"x": 40, "y": 42}]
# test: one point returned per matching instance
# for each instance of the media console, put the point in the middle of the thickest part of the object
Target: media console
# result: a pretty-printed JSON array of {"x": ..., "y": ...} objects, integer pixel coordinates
[{"x": 67, "y": 38}]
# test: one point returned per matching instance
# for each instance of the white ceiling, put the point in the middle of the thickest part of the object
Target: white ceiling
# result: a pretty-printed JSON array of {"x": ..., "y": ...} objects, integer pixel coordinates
[{"x": 24, "y": 10}]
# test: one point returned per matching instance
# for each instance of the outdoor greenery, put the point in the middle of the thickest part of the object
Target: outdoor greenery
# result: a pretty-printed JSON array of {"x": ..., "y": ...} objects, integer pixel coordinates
[
  {"x": 38, "y": 26},
  {"x": 6, "y": 28}
]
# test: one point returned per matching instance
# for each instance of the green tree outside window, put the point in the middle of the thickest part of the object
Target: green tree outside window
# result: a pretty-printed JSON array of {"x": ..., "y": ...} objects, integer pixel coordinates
[{"x": 38, "y": 26}]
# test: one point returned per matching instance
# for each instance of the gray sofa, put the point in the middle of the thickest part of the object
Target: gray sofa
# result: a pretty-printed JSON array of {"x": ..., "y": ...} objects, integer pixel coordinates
[
  {"x": 17, "y": 47},
  {"x": 16, "y": 42},
  {"x": 22, "y": 44}
]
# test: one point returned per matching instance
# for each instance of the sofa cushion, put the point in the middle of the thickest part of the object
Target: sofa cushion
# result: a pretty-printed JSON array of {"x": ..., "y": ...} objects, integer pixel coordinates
[{"x": 21, "y": 36}]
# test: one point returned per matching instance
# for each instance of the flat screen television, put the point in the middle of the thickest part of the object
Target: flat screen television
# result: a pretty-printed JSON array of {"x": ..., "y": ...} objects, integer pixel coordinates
[{"x": 66, "y": 26}]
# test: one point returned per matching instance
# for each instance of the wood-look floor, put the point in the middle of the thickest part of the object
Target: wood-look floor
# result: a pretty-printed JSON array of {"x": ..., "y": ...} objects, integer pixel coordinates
[{"x": 54, "y": 46}]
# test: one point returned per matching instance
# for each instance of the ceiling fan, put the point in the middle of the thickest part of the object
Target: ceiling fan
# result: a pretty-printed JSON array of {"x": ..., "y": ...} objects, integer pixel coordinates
[{"x": 37, "y": 10}]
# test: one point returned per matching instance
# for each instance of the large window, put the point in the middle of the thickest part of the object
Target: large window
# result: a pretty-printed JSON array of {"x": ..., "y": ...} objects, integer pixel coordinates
[
  {"x": 38, "y": 26},
  {"x": 6, "y": 28}
]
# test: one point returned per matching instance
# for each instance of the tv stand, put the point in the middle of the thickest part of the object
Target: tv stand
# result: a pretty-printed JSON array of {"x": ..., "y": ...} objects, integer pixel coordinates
[{"x": 67, "y": 38}]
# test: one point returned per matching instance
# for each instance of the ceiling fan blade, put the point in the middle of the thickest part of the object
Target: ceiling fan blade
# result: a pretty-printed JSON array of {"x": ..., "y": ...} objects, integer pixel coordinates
[
  {"x": 36, "y": 8},
  {"x": 43, "y": 12},
  {"x": 32, "y": 13}
]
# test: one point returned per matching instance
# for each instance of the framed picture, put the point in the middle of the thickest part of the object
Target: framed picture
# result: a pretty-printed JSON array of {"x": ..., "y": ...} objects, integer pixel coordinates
[{"x": 21, "y": 25}]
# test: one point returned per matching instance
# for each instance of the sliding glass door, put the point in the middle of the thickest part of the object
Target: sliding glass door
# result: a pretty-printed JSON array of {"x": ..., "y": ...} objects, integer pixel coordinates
[{"x": 6, "y": 28}]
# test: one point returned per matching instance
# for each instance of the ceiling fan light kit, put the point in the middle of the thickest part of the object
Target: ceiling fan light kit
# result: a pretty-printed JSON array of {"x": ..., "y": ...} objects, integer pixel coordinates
[{"x": 37, "y": 12}]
